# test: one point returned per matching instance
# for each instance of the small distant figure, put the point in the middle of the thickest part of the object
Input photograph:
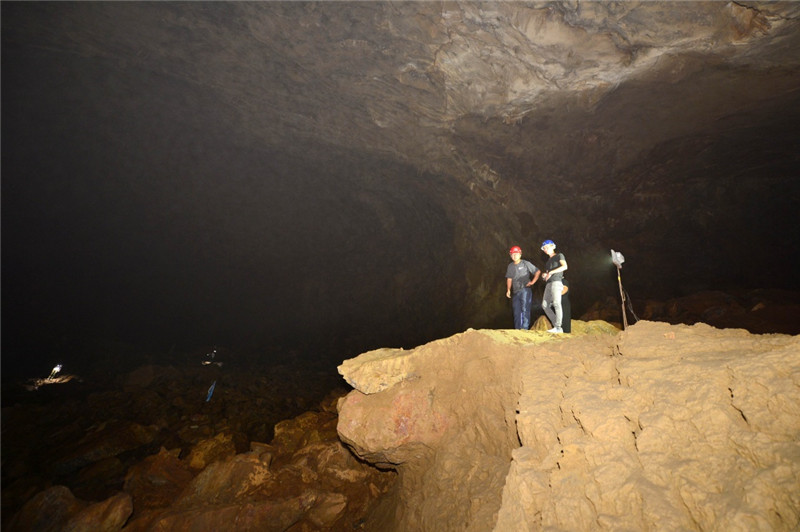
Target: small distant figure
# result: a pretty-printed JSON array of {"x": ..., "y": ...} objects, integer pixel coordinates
[
  {"x": 520, "y": 276},
  {"x": 211, "y": 391},
  {"x": 554, "y": 275},
  {"x": 54, "y": 372},
  {"x": 210, "y": 356},
  {"x": 566, "y": 308}
]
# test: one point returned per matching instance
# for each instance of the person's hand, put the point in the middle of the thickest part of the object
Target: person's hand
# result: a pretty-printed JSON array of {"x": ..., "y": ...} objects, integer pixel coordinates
[
  {"x": 508, "y": 294},
  {"x": 545, "y": 275}
]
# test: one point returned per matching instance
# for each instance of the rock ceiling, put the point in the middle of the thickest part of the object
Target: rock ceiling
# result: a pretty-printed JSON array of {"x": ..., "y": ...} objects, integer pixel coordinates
[{"x": 412, "y": 142}]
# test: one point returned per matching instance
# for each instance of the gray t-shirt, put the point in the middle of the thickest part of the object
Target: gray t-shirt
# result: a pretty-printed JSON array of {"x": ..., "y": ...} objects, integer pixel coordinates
[{"x": 520, "y": 274}]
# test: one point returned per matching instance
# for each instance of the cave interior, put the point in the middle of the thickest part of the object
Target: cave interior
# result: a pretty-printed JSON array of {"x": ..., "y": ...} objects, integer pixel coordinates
[{"x": 334, "y": 177}]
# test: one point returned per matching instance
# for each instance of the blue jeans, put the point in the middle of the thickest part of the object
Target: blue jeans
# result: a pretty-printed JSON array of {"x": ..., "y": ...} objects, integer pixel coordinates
[
  {"x": 552, "y": 298},
  {"x": 521, "y": 307}
]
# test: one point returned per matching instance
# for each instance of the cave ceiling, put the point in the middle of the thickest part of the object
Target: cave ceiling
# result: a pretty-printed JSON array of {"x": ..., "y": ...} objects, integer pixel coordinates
[{"x": 439, "y": 132}]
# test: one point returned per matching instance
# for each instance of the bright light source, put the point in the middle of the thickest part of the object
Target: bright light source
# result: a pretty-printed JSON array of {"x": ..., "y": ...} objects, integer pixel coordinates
[
  {"x": 617, "y": 258},
  {"x": 54, "y": 372},
  {"x": 54, "y": 378}
]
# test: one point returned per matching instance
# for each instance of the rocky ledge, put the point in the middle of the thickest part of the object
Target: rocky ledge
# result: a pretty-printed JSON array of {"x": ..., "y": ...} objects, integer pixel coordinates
[{"x": 659, "y": 427}]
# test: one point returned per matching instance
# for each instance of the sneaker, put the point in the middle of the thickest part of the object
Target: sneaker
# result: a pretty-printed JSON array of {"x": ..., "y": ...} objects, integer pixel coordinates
[{"x": 555, "y": 330}]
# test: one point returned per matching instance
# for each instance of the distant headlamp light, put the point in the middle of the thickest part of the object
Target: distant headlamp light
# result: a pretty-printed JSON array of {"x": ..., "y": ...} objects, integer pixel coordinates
[{"x": 55, "y": 371}]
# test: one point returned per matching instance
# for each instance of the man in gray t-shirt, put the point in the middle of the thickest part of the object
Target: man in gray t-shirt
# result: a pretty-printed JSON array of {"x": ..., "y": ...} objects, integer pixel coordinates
[{"x": 520, "y": 276}]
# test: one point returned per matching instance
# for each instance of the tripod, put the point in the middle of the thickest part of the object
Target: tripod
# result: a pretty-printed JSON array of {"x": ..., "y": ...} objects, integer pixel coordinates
[{"x": 622, "y": 297}]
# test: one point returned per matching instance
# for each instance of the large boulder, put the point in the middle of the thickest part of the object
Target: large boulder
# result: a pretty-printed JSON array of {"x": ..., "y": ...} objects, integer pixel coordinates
[
  {"x": 107, "y": 440},
  {"x": 56, "y": 509},
  {"x": 447, "y": 426},
  {"x": 156, "y": 481},
  {"x": 47, "y": 511}
]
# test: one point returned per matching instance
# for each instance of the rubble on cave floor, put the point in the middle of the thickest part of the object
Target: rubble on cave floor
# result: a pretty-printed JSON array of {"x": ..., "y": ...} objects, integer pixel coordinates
[
  {"x": 757, "y": 311},
  {"x": 145, "y": 449}
]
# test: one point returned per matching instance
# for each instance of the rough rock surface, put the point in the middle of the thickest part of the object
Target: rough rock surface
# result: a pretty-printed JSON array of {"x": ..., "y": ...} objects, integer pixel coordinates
[
  {"x": 660, "y": 427},
  {"x": 49, "y": 510}
]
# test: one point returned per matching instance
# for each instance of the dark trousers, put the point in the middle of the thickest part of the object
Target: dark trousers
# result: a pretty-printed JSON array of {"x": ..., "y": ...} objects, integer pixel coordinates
[{"x": 521, "y": 307}]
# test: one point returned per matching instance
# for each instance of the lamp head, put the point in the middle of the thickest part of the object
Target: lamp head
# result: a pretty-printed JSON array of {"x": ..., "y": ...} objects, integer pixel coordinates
[{"x": 617, "y": 258}]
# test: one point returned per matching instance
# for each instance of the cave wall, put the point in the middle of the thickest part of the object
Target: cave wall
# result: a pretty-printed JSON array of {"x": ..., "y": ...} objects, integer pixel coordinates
[{"x": 703, "y": 180}]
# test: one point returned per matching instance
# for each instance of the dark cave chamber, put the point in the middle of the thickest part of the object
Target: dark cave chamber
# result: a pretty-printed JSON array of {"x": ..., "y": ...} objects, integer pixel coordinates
[{"x": 201, "y": 185}]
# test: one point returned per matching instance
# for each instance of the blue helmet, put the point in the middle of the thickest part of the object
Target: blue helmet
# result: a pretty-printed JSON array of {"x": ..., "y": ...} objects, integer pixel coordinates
[{"x": 548, "y": 243}]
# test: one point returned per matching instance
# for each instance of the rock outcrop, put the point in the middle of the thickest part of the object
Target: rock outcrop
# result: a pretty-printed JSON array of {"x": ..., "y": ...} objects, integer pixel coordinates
[{"x": 659, "y": 427}]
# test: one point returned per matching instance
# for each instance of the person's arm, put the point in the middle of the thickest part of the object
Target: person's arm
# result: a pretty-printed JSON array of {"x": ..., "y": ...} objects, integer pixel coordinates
[
  {"x": 508, "y": 287},
  {"x": 561, "y": 268},
  {"x": 535, "y": 277}
]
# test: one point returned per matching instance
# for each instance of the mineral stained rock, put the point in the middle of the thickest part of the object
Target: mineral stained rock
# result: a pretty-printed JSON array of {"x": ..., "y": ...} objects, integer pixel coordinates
[{"x": 660, "y": 427}]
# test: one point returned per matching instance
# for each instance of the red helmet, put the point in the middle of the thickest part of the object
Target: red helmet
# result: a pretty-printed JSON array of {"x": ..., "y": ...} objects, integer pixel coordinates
[{"x": 515, "y": 249}]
